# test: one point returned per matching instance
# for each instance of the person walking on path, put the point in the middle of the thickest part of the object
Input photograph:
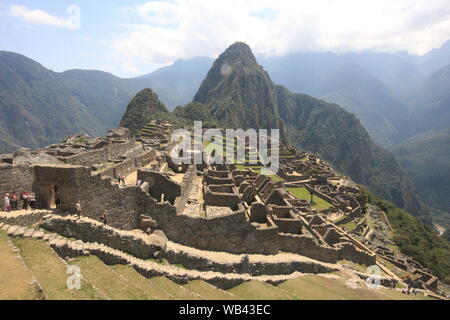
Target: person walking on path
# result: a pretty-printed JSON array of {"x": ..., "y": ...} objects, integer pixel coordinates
[
  {"x": 78, "y": 209},
  {"x": 25, "y": 198},
  {"x": 104, "y": 216},
  {"x": 58, "y": 201},
  {"x": 6, "y": 203},
  {"x": 32, "y": 201},
  {"x": 13, "y": 201}
]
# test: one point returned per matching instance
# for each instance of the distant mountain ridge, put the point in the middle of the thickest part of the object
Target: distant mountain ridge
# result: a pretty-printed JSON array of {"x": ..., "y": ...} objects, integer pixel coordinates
[
  {"x": 371, "y": 85},
  {"x": 39, "y": 107},
  {"x": 392, "y": 94}
]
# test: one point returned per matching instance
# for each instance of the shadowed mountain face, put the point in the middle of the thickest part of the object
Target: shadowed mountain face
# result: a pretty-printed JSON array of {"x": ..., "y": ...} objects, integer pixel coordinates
[
  {"x": 141, "y": 109},
  {"x": 36, "y": 107},
  {"x": 40, "y": 107},
  {"x": 432, "y": 105},
  {"x": 426, "y": 156},
  {"x": 239, "y": 93}
]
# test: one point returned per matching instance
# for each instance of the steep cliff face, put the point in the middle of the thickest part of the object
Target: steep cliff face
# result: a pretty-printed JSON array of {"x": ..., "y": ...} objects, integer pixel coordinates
[
  {"x": 239, "y": 93},
  {"x": 36, "y": 107},
  {"x": 141, "y": 110}
]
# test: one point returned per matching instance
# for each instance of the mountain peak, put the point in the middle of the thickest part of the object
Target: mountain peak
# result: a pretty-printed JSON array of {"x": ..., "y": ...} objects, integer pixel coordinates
[
  {"x": 141, "y": 110},
  {"x": 238, "y": 51},
  {"x": 236, "y": 61}
]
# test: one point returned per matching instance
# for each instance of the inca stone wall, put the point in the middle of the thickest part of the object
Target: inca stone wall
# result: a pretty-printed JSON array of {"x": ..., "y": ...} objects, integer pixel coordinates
[
  {"x": 95, "y": 194},
  {"x": 110, "y": 151},
  {"x": 307, "y": 247},
  {"x": 141, "y": 246},
  {"x": 126, "y": 167},
  {"x": 349, "y": 252},
  {"x": 145, "y": 158},
  {"x": 230, "y": 233},
  {"x": 186, "y": 187},
  {"x": 160, "y": 184},
  {"x": 15, "y": 178},
  {"x": 130, "y": 165},
  {"x": 23, "y": 219}
]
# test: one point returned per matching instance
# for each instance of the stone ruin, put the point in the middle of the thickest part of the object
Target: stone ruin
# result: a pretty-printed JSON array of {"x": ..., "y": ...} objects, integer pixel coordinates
[{"x": 210, "y": 208}]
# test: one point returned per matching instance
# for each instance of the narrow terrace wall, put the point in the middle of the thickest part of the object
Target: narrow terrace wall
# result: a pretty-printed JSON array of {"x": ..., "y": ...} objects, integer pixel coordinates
[
  {"x": 89, "y": 158},
  {"x": 355, "y": 213},
  {"x": 307, "y": 247},
  {"x": 141, "y": 246},
  {"x": 186, "y": 187},
  {"x": 125, "y": 167},
  {"x": 145, "y": 158},
  {"x": 130, "y": 165},
  {"x": 348, "y": 251},
  {"x": 230, "y": 233}
]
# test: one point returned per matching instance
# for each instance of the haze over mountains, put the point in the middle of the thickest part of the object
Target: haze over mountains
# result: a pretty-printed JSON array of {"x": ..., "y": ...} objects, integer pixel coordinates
[{"x": 399, "y": 98}]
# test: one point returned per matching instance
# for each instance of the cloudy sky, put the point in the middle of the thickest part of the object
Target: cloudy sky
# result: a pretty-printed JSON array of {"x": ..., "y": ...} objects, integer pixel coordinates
[{"x": 131, "y": 37}]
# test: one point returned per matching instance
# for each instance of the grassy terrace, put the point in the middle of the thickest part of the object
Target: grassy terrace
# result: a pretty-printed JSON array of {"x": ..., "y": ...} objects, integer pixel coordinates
[
  {"x": 50, "y": 269},
  {"x": 257, "y": 169},
  {"x": 15, "y": 278},
  {"x": 317, "y": 203},
  {"x": 350, "y": 226}
]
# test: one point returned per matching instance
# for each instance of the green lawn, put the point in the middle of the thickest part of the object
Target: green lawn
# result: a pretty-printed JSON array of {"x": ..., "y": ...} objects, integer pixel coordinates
[
  {"x": 276, "y": 178},
  {"x": 350, "y": 226},
  {"x": 257, "y": 169},
  {"x": 317, "y": 203}
]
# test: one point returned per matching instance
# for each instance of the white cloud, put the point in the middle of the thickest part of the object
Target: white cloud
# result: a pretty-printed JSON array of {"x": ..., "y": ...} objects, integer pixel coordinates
[
  {"x": 189, "y": 28},
  {"x": 41, "y": 17}
]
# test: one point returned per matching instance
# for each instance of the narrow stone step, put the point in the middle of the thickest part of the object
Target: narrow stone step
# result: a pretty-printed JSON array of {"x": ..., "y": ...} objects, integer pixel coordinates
[
  {"x": 107, "y": 281},
  {"x": 51, "y": 272},
  {"x": 257, "y": 290},
  {"x": 209, "y": 292},
  {"x": 16, "y": 280}
]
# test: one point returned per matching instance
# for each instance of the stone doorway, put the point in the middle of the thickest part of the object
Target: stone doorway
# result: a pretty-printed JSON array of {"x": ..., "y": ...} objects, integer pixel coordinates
[{"x": 47, "y": 195}]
